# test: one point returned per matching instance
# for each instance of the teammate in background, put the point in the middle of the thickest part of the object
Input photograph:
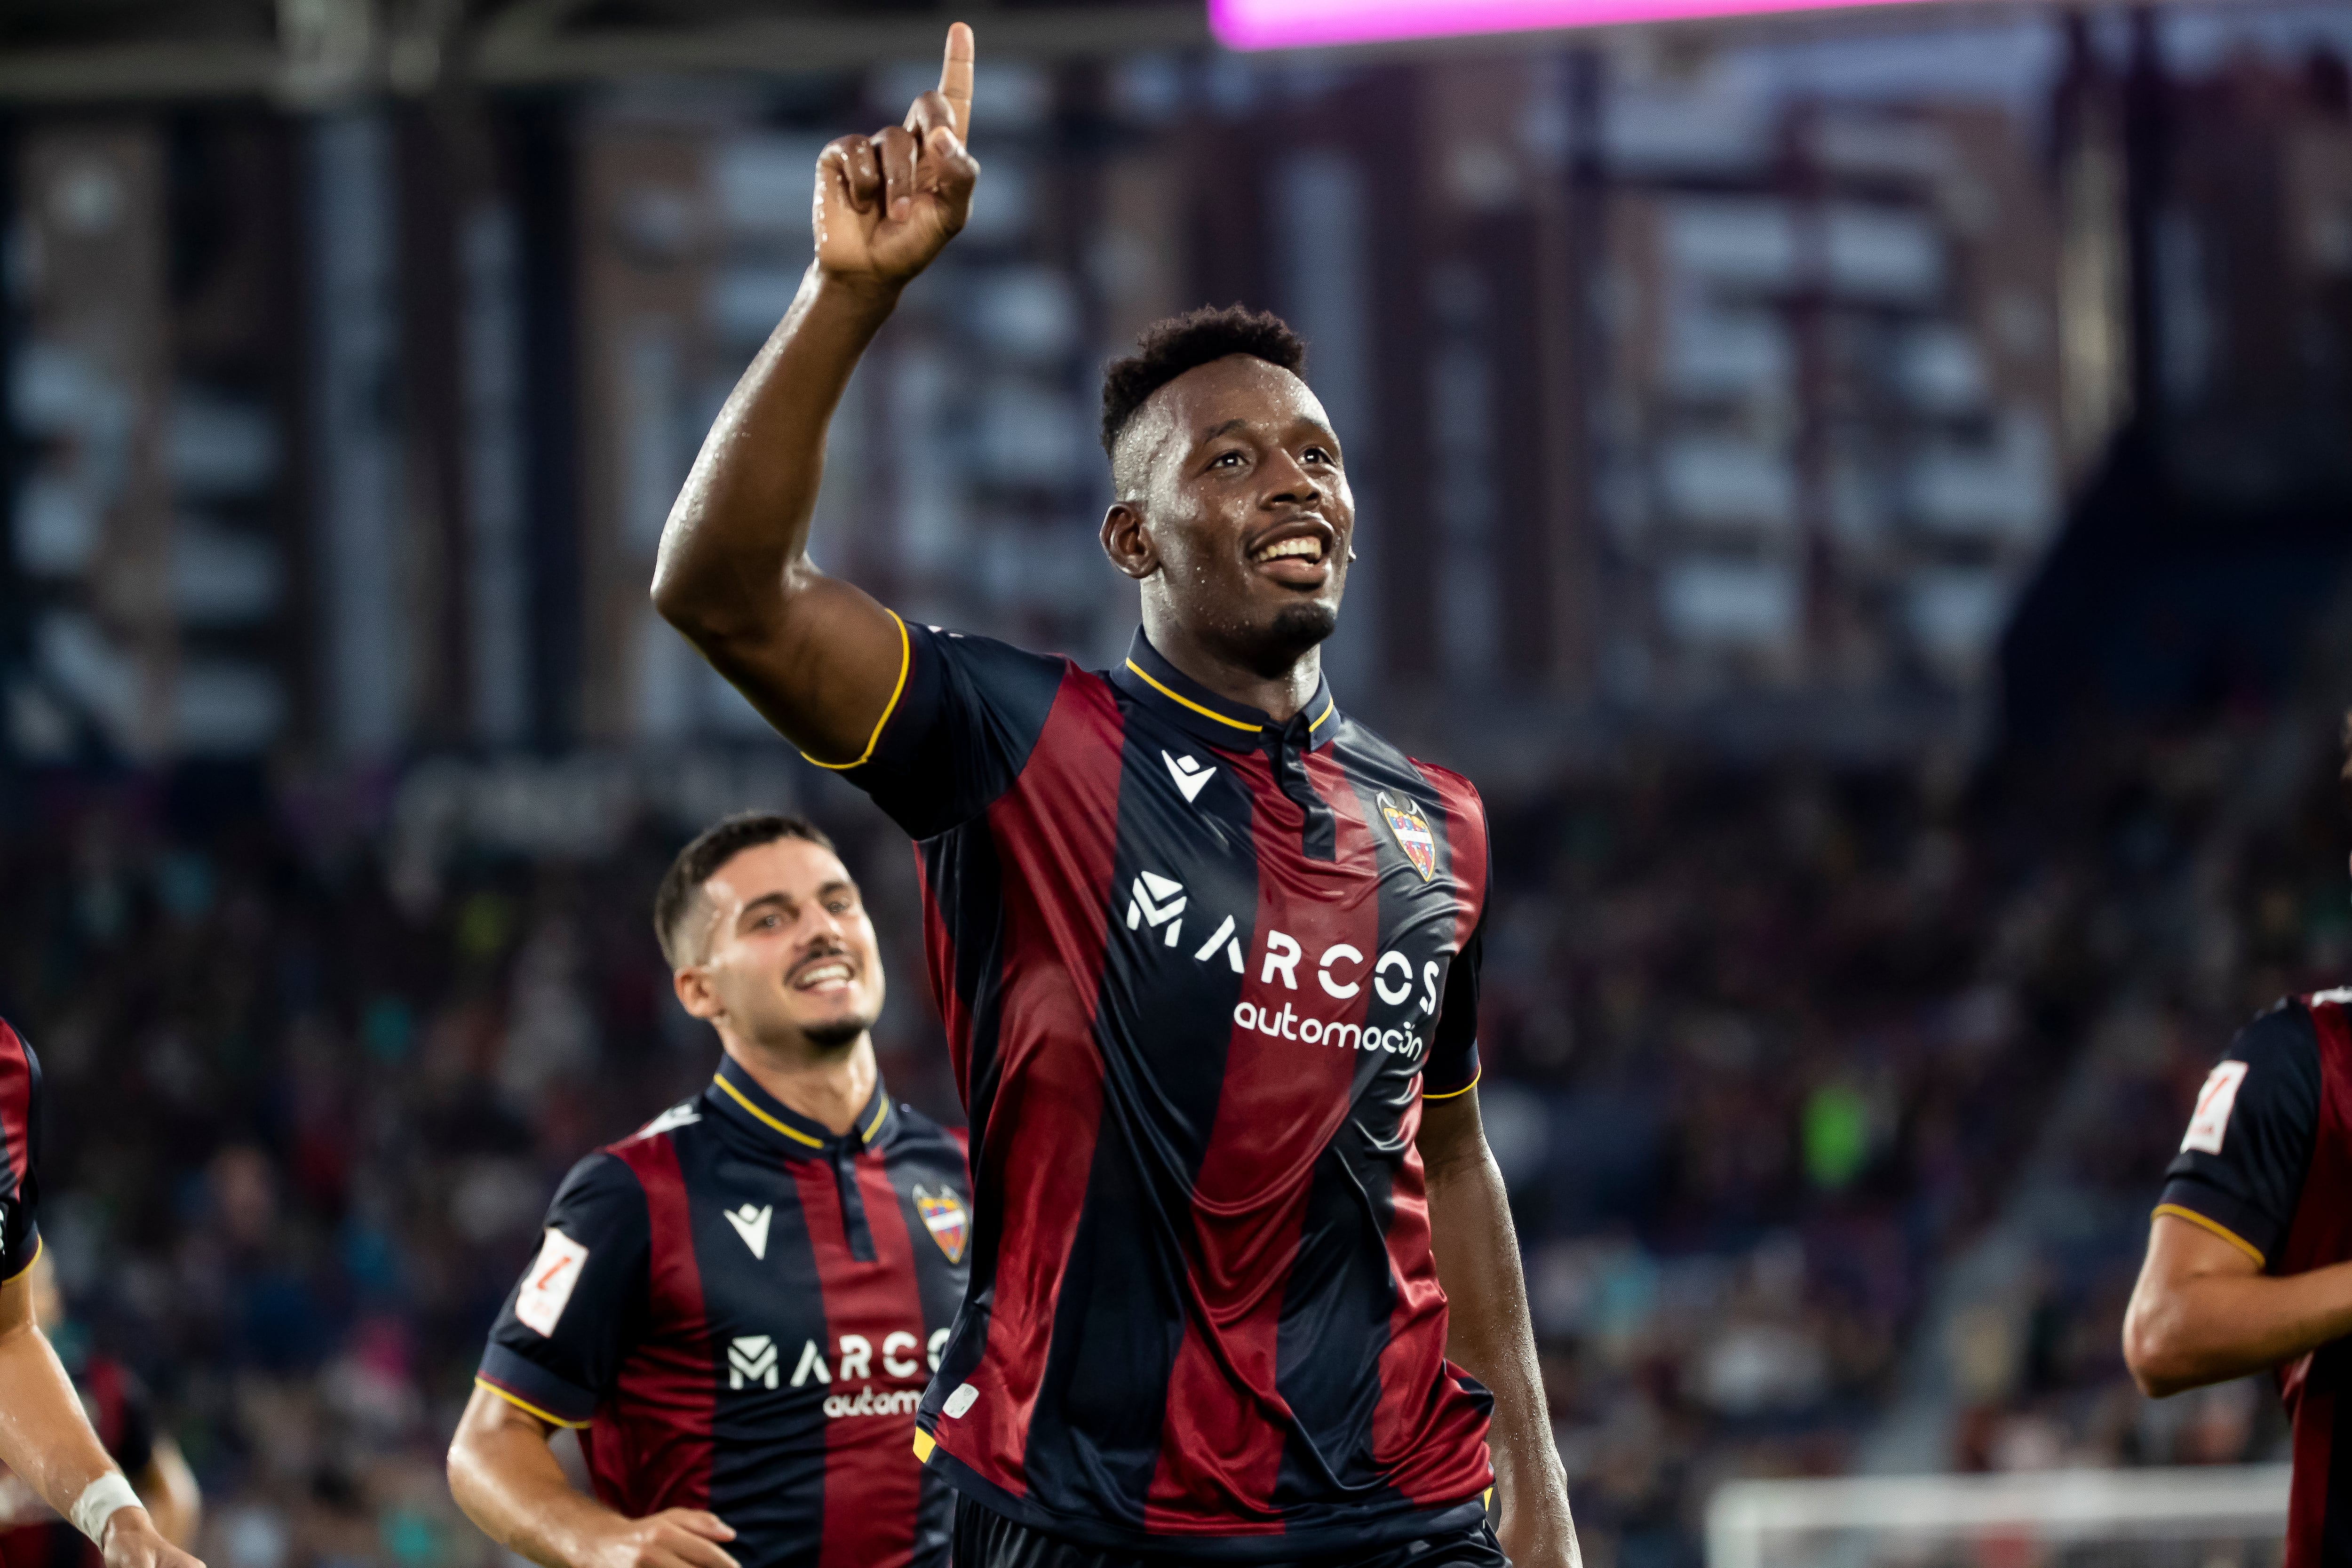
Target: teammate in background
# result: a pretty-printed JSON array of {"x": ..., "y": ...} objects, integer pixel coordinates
[
  {"x": 31, "y": 1534},
  {"x": 1206, "y": 948},
  {"x": 739, "y": 1306},
  {"x": 44, "y": 1434},
  {"x": 2249, "y": 1259}
]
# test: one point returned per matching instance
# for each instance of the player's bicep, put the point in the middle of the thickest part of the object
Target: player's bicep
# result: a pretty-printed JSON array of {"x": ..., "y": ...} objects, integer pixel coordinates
[
  {"x": 824, "y": 672},
  {"x": 2239, "y": 1173}
]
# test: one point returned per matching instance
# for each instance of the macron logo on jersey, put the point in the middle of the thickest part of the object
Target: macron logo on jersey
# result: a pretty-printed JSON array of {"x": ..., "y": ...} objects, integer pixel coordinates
[
  {"x": 751, "y": 1225},
  {"x": 751, "y": 1359},
  {"x": 1156, "y": 900},
  {"x": 1189, "y": 775}
]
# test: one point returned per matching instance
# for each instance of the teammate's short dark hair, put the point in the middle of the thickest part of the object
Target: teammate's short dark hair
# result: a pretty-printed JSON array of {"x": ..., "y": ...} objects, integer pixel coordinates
[
  {"x": 681, "y": 885},
  {"x": 1168, "y": 348}
]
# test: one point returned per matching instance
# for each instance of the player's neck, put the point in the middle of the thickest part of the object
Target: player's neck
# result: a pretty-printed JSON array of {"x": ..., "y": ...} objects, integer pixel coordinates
[
  {"x": 1276, "y": 696},
  {"x": 827, "y": 1085}
]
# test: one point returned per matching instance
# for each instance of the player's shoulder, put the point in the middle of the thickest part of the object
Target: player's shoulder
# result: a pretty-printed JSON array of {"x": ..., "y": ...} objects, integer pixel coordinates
[
  {"x": 619, "y": 1166},
  {"x": 990, "y": 661},
  {"x": 1455, "y": 789},
  {"x": 20, "y": 1073},
  {"x": 2284, "y": 1033},
  {"x": 917, "y": 1137}
]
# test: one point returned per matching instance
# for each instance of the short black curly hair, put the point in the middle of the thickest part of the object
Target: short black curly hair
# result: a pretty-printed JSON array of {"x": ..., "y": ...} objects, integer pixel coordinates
[
  {"x": 1168, "y": 348},
  {"x": 681, "y": 885}
]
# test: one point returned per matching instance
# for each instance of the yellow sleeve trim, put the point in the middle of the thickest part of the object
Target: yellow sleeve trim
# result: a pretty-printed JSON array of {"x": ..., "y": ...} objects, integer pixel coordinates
[
  {"x": 906, "y": 662},
  {"x": 525, "y": 1405},
  {"x": 793, "y": 1133},
  {"x": 2217, "y": 1227},
  {"x": 1204, "y": 712},
  {"x": 38, "y": 1243},
  {"x": 924, "y": 1444},
  {"x": 1457, "y": 1093}
]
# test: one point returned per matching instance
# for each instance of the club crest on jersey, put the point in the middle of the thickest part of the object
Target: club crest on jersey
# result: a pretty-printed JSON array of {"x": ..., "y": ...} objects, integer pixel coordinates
[
  {"x": 945, "y": 1218},
  {"x": 1412, "y": 833}
]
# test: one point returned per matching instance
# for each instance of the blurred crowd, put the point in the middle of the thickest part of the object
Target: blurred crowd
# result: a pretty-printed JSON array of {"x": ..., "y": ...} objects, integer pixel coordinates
[{"x": 1832, "y": 1100}]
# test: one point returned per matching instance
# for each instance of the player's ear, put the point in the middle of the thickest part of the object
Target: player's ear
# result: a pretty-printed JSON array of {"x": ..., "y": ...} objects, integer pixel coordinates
[
  {"x": 694, "y": 993},
  {"x": 1128, "y": 543}
]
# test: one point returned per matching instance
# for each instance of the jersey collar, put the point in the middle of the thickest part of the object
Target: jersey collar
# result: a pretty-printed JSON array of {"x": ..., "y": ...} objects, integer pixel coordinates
[
  {"x": 738, "y": 1098},
  {"x": 1158, "y": 685}
]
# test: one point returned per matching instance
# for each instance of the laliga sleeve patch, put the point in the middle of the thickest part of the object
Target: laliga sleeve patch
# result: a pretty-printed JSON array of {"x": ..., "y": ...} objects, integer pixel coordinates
[
  {"x": 547, "y": 1289},
  {"x": 2214, "y": 1103}
]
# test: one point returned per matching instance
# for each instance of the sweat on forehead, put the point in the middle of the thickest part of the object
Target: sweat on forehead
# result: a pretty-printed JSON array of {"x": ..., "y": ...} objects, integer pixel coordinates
[{"x": 1239, "y": 390}]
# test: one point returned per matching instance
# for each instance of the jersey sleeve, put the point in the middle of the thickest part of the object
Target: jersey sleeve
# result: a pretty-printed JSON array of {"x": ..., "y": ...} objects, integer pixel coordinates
[
  {"x": 558, "y": 1341},
  {"x": 1454, "y": 1043},
  {"x": 20, "y": 1154},
  {"x": 2239, "y": 1170},
  {"x": 968, "y": 712}
]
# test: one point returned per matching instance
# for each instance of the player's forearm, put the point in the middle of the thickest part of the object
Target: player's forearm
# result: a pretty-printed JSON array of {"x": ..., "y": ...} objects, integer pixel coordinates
[
  {"x": 2184, "y": 1333},
  {"x": 510, "y": 1485},
  {"x": 1490, "y": 1336},
  {"x": 45, "y": 1436},
  {"x": 741, "y": 525},
  {"x": 169, "y": 1490}
]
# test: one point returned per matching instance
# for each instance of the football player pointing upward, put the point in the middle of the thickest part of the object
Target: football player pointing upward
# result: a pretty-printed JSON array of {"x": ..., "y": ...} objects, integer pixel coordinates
[{"x": 1206, "y": 949}]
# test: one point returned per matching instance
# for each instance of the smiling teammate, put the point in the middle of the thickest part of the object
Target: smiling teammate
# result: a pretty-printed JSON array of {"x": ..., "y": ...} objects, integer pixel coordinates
[
  {"x": 1206, "y": 948},
  {"x": 739, "y": 1306}
]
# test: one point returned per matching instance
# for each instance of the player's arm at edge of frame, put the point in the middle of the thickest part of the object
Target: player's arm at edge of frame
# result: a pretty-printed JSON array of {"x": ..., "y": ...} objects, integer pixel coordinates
[
  {"x": 504, "y": 1476},
  {"x": 2203, "y": 1311},
  {"x": 1489, "y": 1333},
  {"x": 45, "y": 1436},
  {"x": 819, "y": 658}
]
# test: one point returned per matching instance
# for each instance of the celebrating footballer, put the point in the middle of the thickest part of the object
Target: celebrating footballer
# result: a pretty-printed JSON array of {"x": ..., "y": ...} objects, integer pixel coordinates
[{"x": 1243, "y": 1282}]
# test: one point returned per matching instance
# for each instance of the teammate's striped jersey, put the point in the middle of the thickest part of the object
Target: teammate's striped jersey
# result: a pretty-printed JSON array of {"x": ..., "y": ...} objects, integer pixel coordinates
[
  {"x": 20, "y": 1144},
  {"x": 1199, "y": 971},
  {"x": 2266, "y": 1165},
  {"x": 739, "y": 1310}
]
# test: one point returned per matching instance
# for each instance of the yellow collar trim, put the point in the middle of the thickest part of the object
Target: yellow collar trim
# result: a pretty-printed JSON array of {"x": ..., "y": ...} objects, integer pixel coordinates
[
  {"x": 880, "y": 1111},
  {"x": 794, "y": 1133},
  {"x": 1204, "y": 712}
]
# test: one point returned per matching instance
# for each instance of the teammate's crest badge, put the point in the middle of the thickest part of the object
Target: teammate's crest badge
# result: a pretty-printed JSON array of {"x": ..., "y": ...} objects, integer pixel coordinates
[
  {"x": 1412, "y": 833},
  {"x": 945, "y": 1218}
]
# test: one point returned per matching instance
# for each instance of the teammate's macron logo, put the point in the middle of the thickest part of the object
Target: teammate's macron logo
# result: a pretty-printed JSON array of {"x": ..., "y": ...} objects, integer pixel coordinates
[
  {"x": 944, "y": 1218},
  {"x": 1157, "y": 900},
  {"x": 751, "y": 1225},
  {"x": 1189, "y": 775},
  {"x": 1412, "y": 833},
  {"x": 753, "y": 1357}
]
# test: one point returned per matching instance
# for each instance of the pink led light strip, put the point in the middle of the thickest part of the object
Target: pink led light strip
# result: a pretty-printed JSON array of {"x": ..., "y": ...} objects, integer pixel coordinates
[{"x": 1293, "y": 24}]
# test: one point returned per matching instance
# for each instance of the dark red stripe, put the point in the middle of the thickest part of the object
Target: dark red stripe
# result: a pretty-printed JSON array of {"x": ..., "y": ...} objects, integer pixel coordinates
[
  {"x": 660, "y": 1457},
  {"x": 1055, "y": 834},
  {"x": 1282, "y": 1100},
  {"x": 872, "y": 1484},
  {"x": 1431, "y": 1440},
  {"x": 16, "y": 1107}
]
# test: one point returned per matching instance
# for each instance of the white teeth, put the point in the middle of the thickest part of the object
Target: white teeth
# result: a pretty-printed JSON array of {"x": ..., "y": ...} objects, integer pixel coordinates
[
  {"x": 1305, "y": 544},
  {"x": 824, "y": 974}
]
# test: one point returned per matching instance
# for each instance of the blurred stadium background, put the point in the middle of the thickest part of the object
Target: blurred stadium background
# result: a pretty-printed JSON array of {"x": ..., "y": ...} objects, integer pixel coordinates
[{"x": 1867, "y": 495}]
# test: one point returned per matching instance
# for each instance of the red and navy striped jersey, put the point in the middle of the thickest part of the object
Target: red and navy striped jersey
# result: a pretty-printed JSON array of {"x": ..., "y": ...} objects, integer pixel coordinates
[
  {"x": 20, "y": 1163},
  {"x": 739, "y": 1311},
  {"x": 2266, "y": 1165},
  {"x": 1199, "y": 970}
]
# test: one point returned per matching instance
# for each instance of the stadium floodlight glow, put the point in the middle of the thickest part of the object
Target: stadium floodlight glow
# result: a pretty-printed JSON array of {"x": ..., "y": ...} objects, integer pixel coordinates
[{"x": 1297, "y": 24}]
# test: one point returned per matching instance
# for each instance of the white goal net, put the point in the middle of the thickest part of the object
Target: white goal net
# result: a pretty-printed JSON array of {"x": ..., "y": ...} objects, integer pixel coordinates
[{"x": 2222, "y": 1516}]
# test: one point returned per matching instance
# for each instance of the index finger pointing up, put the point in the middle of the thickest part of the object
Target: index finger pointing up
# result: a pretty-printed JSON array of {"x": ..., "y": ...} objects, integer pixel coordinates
[{"x": 955, "y": 77}]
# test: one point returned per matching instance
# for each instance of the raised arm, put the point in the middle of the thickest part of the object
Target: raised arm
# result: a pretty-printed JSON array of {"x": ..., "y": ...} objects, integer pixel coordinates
[
  {"x": 1489, "y": 1333},
  {"x": 818, "y": 657}
]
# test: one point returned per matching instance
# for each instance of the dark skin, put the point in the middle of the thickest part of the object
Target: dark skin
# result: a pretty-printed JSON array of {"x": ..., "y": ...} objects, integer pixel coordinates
[{"x": 1219, "y": 476}]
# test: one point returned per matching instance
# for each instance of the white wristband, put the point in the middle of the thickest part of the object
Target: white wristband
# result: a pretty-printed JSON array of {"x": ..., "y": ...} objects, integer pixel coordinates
[{"x": 98, "y": 1502}]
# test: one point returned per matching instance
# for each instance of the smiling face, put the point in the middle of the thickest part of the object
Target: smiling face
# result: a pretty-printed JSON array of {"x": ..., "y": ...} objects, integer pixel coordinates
[
  {"x": 785, "y": 955},
  {"x": 1235, "y": 513}
]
